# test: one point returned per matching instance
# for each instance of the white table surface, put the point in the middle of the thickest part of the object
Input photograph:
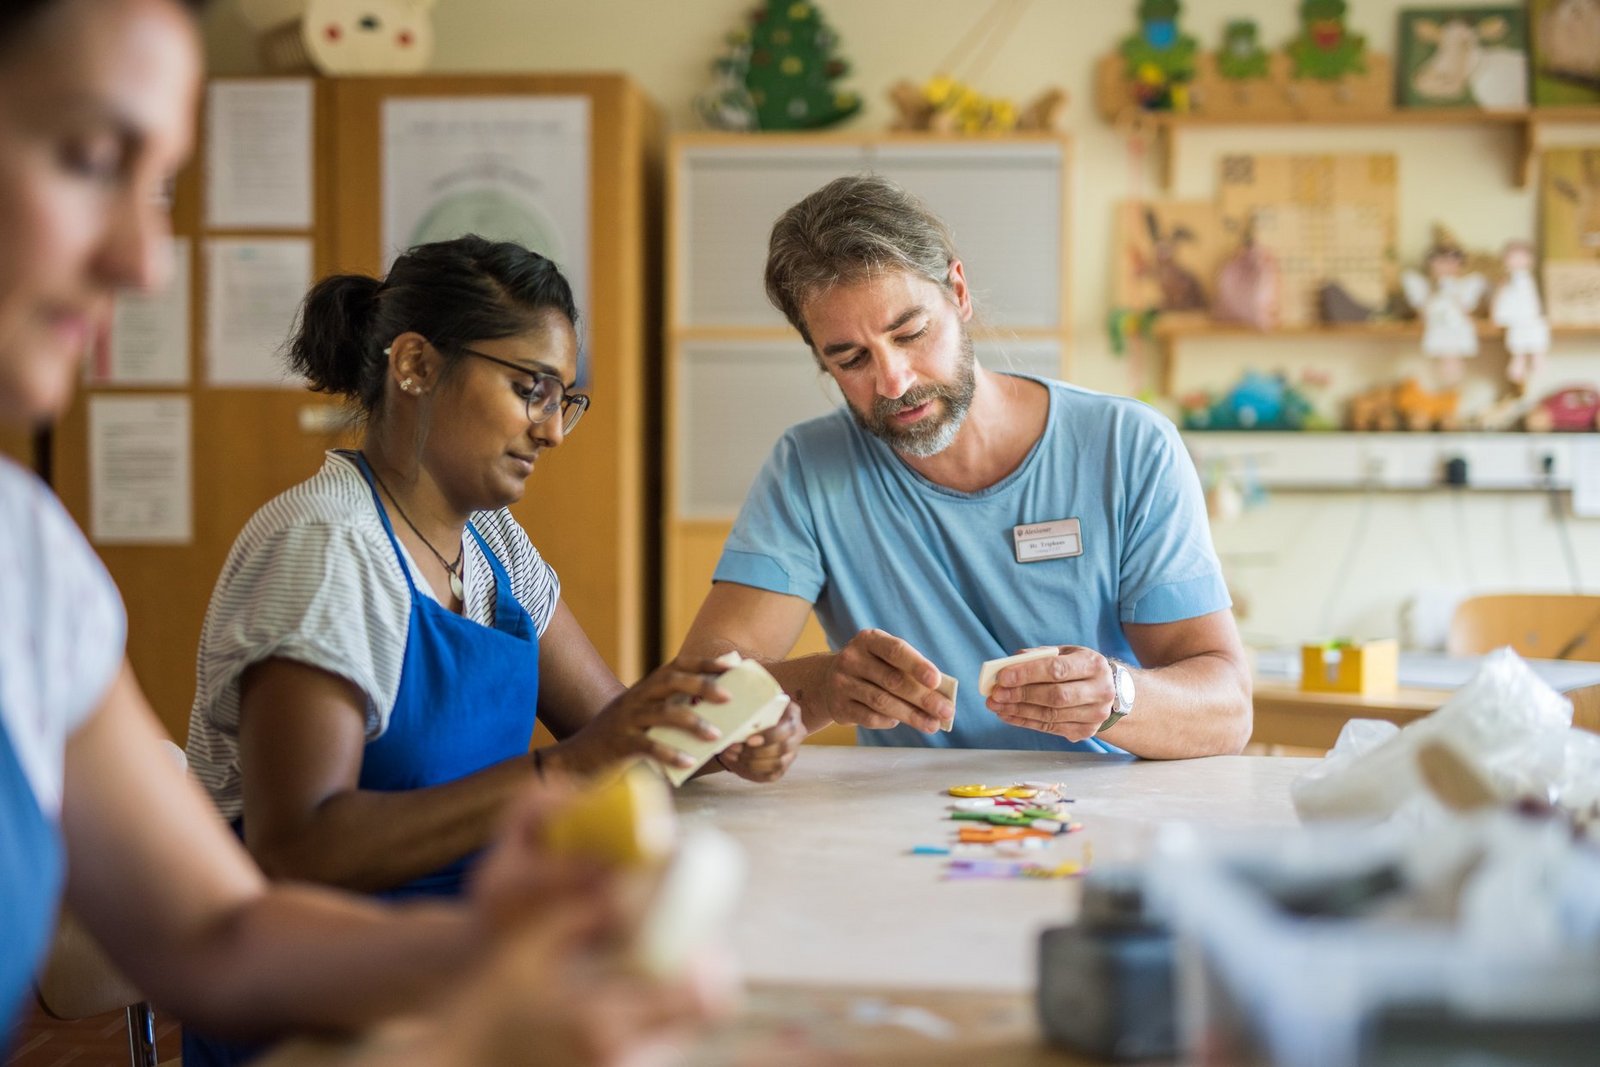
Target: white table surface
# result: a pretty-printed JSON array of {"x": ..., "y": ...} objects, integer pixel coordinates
[{"x": 836, "y": 900}]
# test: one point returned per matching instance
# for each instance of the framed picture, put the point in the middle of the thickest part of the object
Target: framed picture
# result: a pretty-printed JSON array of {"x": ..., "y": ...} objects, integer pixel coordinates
[
  {"x": 1468, "y": 57},
  {"x": 1565, "y": 35},
  {"x": 1569, "y": 232}
]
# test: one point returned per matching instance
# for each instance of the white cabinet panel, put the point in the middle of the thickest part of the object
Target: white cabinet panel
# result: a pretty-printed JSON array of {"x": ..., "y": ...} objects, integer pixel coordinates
[
  {"x": 1003, "y": 203},
  {"x": 735, "y": 399}
]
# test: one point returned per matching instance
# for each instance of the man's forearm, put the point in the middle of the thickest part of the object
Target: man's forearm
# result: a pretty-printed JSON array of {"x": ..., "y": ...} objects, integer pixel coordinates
[
  {"x": 1195, "y": 707},
  {"x": 802, "y": 678}
]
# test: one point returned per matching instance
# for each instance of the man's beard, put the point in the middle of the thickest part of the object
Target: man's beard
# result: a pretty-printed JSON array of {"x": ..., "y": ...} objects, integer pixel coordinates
[{"x": 934, "y": 432}]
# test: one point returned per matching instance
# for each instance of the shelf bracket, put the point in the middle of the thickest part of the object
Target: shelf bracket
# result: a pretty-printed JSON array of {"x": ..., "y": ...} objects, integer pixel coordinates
[{"x": 1527, "y": 150}]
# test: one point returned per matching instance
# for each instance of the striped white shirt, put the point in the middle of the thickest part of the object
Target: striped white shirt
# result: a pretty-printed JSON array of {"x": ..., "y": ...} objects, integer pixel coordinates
[{"x": 313, "y": 578}]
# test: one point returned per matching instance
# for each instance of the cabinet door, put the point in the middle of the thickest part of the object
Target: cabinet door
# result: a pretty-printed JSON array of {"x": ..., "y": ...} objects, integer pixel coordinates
[{"x": 17, "y": 446}]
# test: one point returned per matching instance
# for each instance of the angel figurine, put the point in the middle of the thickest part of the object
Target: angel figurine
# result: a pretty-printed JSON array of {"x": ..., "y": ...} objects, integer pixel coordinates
[
  {"x": 1516, "y": 307},
  {"x": 1446, "y": 298}
]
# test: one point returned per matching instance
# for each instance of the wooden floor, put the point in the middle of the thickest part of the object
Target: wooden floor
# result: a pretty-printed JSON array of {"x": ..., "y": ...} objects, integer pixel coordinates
[{"x": 99, "y": 1041}]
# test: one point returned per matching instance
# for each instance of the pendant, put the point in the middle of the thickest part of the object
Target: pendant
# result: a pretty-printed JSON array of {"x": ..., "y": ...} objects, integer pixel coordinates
[{"x": 455, "y": 586}]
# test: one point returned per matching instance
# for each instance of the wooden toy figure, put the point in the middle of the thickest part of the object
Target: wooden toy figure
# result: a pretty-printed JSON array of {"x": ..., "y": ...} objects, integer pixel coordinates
[
  {"x": 343, "y": 36},
  {"x": 1445, "y": 298},
  {"x": 1516, "y": 306},
  {"x": 1325, "y": 48},
  {"x": 1160, "y": 58}
]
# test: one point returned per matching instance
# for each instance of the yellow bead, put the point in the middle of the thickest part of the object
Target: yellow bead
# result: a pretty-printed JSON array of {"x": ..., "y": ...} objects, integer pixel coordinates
[
  {"x": 1018, "y": 793},
  {"x": 975, "y": 791},
  {"x": 791, "y": 65}
]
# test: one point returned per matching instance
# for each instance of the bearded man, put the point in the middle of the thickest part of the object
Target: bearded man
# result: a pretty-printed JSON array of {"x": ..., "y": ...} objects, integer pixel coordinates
[{"x": 951, "y": 514}]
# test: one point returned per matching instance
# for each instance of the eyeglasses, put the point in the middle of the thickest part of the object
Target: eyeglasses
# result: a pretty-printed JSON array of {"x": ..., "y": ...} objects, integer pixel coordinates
[{"x": 548, "y": 395}]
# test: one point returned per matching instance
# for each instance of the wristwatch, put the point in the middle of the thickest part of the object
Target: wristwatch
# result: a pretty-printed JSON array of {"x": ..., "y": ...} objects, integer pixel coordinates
[{"x": 1122, "y": 703}]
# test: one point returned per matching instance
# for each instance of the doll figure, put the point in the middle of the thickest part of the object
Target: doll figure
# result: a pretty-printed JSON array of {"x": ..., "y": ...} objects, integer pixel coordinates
[
  {"x": 1446, "y": 299},
  {"x": 1516, "y": 307}
]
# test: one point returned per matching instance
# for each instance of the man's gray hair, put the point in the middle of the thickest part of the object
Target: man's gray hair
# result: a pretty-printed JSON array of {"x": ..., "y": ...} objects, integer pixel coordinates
[{"x": 852, "y": 229}]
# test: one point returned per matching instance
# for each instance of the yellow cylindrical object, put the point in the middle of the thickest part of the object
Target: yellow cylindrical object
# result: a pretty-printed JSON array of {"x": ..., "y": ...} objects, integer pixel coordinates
[{"x": 626, "y": 820}]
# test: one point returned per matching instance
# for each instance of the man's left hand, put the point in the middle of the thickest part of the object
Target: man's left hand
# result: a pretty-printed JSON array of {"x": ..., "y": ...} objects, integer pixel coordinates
[{"x": 1070, "y": 694}]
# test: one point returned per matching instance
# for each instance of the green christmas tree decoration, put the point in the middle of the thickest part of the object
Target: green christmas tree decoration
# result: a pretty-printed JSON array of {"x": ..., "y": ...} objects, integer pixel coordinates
[
  {"x": 1325, "y": 48},
  {"x": 1160, "y": 58},
  {"x": 789, "y": 68},
  {"x": 1241, "y": 56}
]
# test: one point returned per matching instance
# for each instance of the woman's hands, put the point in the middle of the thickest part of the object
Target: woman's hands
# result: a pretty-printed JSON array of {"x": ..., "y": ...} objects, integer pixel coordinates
[{"x": 661, "y": 698}]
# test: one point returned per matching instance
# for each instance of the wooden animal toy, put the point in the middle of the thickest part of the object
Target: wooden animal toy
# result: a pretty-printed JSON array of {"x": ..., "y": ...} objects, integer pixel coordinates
[
  {"x": 1576, "y": 408},
  {"x": 1181, "y": 289},
  {"x": 1422, "y": 410}
]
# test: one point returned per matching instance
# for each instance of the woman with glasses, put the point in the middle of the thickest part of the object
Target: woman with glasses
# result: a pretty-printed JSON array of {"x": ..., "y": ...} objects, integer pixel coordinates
[{"x": 384, "y": 635}]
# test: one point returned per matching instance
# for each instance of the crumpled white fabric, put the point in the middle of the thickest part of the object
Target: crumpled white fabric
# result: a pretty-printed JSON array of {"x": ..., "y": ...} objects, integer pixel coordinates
[{"x": 1516, "y": 728}]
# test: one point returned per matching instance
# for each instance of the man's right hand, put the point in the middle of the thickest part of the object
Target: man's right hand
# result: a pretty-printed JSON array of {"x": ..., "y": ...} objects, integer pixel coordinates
[{"x": 879, "y": 681}]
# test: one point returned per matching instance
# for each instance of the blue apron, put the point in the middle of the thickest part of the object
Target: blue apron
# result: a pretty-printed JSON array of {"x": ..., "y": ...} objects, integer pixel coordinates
[
  {"x": 30, "y": 885},
  {"x": 467, "y": 701}
]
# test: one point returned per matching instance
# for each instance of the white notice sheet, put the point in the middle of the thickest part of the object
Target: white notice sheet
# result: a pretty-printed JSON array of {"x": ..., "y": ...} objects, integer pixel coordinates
[
  {"x": 139, "y": 470},
  {"x": 512, "y": 168},
  {"x": 254, "y": 287},
  {"x": 148, "y": 343},
  {"x": 258, "y": 154}
]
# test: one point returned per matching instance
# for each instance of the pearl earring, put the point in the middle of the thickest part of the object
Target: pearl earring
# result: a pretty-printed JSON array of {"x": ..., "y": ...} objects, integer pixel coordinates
[{"x": 408, "y": 385}]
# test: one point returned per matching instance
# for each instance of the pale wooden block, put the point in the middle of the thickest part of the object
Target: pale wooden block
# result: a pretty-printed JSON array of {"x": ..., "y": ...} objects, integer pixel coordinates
[
  {"x": 991, "y": 668},
  {"x": 947, "y": 687},
  {"x": 758, "y": 703}
]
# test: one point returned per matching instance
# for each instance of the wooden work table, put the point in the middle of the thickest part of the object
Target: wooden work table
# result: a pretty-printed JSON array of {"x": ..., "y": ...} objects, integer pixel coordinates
[{"x": 858, "y": 952}]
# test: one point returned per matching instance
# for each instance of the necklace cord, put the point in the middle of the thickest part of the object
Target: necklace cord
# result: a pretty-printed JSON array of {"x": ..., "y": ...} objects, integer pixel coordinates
[{"x": 453, "y": 568}]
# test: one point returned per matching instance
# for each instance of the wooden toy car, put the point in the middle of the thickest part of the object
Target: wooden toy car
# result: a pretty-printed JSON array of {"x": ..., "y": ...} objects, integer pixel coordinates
[{"x": 1574, "y": 408}]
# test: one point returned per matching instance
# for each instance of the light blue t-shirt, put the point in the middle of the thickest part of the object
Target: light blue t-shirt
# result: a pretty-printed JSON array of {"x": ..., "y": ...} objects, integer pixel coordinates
[{"x": 835, "y": 517}]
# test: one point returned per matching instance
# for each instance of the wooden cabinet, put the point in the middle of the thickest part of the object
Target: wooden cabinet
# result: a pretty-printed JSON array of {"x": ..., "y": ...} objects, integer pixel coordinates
[
  {"x": 591, "y": 504},
  {"x": 737, "y": 376}
]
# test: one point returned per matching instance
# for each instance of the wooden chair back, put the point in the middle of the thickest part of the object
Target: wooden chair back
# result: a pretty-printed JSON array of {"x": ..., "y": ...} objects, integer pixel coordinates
[{"x": 1535, "y": 625}]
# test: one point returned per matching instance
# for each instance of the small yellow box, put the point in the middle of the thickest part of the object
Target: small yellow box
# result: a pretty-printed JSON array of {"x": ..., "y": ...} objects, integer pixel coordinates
[{"x": 1371, "y": 668}]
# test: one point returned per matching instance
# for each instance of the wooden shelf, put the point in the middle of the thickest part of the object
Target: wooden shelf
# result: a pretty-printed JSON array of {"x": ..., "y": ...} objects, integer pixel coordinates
[
  {"x": 1530, "y": 123},
  {"x": 1168, "y": 332}
]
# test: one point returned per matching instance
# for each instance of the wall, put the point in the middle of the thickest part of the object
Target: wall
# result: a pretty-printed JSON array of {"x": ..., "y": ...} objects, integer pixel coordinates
[{"x": 1282, "y": 558}]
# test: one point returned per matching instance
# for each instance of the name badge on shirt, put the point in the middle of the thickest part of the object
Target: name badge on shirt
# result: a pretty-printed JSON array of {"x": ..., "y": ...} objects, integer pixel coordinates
[{"x": 1037, "y": 541}]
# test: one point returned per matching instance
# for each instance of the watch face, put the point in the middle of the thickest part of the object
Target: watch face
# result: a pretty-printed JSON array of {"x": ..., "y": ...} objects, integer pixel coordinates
[{"x": 1124, "y": 684}]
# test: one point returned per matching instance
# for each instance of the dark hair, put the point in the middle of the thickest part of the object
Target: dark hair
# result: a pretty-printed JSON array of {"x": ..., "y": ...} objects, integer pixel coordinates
[
  {"x": 17, "y": 16},
  {"x": 452, "y": 292}
]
